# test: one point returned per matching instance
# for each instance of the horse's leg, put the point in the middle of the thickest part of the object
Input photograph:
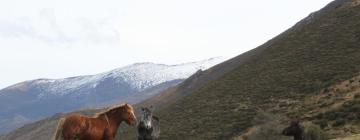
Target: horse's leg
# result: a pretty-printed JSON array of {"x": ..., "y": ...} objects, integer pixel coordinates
[
  {"x": 109, "y": 138},
  {"x": 107, "y": 135},
  {"x": 147, "y": 137},
  {"x": 142, "y": 137},
  {"x": 72, "y": 137},
  {"x": 68, "y": 136}
]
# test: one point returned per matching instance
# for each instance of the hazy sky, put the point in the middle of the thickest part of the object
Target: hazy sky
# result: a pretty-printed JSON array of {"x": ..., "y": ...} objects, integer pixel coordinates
[{"x": 61, "y": 38}]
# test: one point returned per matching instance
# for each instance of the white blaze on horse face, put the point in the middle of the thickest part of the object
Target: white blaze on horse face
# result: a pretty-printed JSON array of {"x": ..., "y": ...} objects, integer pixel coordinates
[
  {"x": 148, "y": 124},
  {"x": 146, "y": 118}
]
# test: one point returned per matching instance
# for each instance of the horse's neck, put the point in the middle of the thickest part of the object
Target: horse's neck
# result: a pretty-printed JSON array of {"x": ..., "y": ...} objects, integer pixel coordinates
[{"x": 113, "y": 121}]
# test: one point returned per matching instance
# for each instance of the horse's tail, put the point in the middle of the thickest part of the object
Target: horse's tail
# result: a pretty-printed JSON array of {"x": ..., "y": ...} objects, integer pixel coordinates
[{"x": 59, "y": 129}]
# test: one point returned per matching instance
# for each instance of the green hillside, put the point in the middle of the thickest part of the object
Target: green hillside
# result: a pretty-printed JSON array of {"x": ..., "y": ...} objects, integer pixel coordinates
[
  {"x": 310, "y": 72},
  {"x": 320, "y": 51}
]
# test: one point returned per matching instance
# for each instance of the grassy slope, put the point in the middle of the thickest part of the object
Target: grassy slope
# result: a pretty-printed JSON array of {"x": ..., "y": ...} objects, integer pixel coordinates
[
  {"x": 303, "y": 61},
  {"x": 313, "y": 55},
  {"x": 355, "y": 137},
  {"x": 43, "y": 129}
]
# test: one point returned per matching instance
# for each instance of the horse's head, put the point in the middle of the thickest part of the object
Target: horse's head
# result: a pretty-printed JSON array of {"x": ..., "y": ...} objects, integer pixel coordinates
[
  {"x": 294, "y": 129},
  {"x": 128, "y": 114},
  {"x": 146, "y": 117}
]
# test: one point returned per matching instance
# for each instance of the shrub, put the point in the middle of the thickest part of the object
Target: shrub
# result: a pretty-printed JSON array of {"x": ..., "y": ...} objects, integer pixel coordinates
[
  {"x": 268, "y": 131},
  {"x": 267, "y": 126},
  {"x": 323, "y": 123},
  {"x": 314, "y": 132},
  {"x": 339, "y": 122},
  {"x": 357, "y": 96}
]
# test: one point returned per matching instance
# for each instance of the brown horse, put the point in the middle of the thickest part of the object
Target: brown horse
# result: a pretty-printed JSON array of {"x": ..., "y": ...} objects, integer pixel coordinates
[{"x": 103, "y": 126}]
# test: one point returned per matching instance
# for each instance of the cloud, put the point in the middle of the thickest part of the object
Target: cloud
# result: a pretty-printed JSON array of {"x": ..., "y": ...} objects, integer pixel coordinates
[
  {"x": 15, "y": 29},
  {"x": 61, "y": 38},
  {"x": 45, "y": 28}
]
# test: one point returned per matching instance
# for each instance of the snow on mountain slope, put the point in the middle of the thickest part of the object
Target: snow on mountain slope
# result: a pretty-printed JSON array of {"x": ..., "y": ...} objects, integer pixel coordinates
[
  {"x": 139, "y": 76},
  {"x": 145, "y": 75},
  {"x": 36, "y": 99}
]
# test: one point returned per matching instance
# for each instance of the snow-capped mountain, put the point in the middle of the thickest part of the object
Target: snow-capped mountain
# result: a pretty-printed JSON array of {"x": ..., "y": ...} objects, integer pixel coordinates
[
  {"x": 36, "y": 99},
  {"x": 139, "y": 76}
]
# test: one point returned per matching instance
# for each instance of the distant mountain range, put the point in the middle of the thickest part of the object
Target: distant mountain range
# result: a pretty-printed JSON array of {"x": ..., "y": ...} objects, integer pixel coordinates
[
  {"x": 309, "y": 72},
  {"x": 32, "y": 100}
]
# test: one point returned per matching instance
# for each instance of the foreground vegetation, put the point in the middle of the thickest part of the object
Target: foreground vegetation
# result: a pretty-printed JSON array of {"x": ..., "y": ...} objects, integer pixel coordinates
[
  {"x": 310, "y": 72},
  {"x": 321, "y": 51}
]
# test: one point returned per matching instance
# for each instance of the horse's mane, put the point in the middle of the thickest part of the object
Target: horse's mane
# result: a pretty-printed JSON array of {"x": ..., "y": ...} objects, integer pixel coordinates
[{"x": 109, "y": 109}]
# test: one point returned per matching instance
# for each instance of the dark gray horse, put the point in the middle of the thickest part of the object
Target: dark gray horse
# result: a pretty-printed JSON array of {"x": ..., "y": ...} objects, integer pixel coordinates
[
  {"x": 295, "y": 130},
  {"x": 149, "y": 125},
  {"x": 305, "y": 131}
]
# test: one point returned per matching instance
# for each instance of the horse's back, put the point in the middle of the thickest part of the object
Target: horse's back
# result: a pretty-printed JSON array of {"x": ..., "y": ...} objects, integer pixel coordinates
[
  {"x": 74, "y": 124},
  {"x": 75, "y": 120}
]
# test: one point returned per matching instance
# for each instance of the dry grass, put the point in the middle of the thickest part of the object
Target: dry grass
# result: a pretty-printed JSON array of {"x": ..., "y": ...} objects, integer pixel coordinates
[
  {"x": 286, "y": 76},
  {"x": 354, "y": 137},
  {"x": 266, "y": 126},
  {"x": 294, "y": 66}
]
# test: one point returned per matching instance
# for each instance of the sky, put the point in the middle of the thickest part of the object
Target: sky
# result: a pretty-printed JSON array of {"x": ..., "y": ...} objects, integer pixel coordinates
[{"x": 63, "y": 38}]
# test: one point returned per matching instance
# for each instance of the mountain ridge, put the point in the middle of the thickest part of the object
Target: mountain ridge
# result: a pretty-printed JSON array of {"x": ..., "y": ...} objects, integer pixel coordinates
[
  {"x": 33, "y": 99},
  {"x": 202, "y": 64},
  {"x": 317, "y": 52},
  {"x": 279, "y": 78}
]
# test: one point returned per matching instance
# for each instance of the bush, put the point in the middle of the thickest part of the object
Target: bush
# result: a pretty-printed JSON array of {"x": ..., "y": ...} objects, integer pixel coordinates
[
  {"x": 339, "y": 122},
  {"x": 267, "y": 126},
  {"x": 357, "y": 96},
  {"x": 314, "y": 132},
  {"x": 268, "y": 131},
  {"x": 322, "y": 123}
]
